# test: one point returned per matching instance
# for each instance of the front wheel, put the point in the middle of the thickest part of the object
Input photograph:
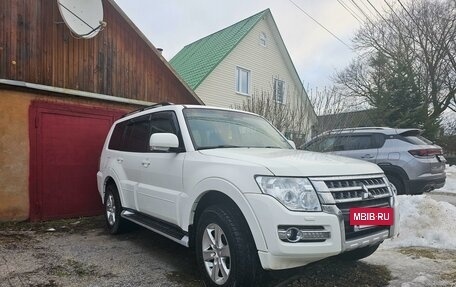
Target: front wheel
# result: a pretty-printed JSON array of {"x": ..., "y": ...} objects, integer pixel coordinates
[{"x": 225, "y": 252}]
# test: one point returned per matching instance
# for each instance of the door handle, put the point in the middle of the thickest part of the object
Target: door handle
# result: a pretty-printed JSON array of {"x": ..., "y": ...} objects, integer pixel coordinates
[
  {"x": 145, "y": 163},
  {"x": 120, "y": 160},
  {"x": 367, "y": 156}
]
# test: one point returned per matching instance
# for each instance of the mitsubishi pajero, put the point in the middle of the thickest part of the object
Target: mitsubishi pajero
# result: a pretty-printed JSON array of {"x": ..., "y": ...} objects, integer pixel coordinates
[{"x": 231, "y": 186}]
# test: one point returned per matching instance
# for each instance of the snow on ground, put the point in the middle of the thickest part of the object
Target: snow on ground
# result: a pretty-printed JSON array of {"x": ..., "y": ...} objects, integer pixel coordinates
[
  {"x": 425, "y": 222},
  {"x": 450, "y": 185}
]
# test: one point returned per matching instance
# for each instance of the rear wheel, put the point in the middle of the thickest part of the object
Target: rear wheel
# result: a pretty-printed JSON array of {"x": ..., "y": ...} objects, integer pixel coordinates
[
  {"x": 397, "y": 183},
  {"x": 225, "y": 252},
  {"x": 113, "y": 208},
  {"x": 359, "y": 253}
]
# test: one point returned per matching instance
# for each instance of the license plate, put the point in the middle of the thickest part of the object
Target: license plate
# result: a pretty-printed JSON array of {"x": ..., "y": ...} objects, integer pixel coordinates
[{"x": 365, "y": 217}]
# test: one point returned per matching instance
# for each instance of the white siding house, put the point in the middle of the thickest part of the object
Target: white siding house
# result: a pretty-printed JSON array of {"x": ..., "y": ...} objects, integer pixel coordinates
[{"x": 244, "y": 60}]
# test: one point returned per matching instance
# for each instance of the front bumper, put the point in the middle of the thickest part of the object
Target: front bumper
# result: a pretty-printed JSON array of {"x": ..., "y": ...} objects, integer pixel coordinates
[{"x": 283, "y": 255}]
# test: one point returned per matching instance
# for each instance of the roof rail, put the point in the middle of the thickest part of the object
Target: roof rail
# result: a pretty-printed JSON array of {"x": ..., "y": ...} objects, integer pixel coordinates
[
  {"x": 359, "y": 128},
  {"x": 162, "y": 104}
]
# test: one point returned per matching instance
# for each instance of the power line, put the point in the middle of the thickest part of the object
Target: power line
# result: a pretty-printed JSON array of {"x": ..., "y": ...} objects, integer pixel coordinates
[
  {"x": 349, "y": 11},
  {"x": 394, "y": 12},
  {"x": 321, "y": 25},
  {"x": 368, "y": 9},
  {"x": 364, "y": 13},
  {"x": 378, "y": 12},
  {"x": 353, "y": 10}
]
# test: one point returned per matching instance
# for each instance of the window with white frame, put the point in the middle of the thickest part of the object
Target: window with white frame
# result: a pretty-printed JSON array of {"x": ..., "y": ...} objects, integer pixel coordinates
[
  {"x": 263, "y": 39},
  {"x": 279, "y": 91},
  {"x": 242, "y": 81}
]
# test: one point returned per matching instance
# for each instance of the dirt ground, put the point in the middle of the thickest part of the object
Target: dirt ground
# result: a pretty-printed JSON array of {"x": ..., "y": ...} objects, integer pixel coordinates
[{"x": 80, "y": 252}]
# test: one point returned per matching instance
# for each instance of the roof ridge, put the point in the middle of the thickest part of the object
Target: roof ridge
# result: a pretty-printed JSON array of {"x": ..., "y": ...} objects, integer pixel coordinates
[
  {"x": 238, "y": 22},
  {"x": 198, "y": 59}
]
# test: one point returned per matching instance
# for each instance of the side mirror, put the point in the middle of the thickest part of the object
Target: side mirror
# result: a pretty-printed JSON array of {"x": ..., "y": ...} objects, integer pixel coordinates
[
  {"x": 163, "y": 141},
  {"x": 292, "y": 143}
]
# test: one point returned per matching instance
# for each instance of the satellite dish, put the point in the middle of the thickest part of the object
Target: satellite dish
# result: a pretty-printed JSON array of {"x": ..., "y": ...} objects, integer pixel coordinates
[{"x": 83, "y": 17}]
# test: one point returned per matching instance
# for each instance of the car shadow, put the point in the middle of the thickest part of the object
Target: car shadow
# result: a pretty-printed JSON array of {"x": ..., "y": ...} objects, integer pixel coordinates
[{"x": 328, "y": 272}]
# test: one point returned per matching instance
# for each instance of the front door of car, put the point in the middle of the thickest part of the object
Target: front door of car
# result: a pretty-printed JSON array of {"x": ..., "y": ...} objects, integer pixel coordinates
[
  {"x": 161, "y": 176},
  {"x": 359, "y": 146}
]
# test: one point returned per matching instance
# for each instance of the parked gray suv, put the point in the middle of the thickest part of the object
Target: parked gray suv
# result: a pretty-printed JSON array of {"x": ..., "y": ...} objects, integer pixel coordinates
[{"x": 412, "y": 163}]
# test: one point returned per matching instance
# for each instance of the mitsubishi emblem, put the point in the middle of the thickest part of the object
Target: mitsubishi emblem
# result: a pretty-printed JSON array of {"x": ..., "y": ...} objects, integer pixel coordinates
[{"x": 366, "y": 193}]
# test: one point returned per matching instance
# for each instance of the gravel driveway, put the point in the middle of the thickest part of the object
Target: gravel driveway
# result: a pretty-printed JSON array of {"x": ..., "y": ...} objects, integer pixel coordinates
[{"x": 81, "y": 253}]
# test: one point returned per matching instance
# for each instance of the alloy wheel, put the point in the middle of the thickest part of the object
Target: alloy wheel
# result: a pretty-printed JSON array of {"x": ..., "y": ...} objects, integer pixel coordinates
[
  {"x": 216, "y": 254},
  {"x": 111, "y": 209}
]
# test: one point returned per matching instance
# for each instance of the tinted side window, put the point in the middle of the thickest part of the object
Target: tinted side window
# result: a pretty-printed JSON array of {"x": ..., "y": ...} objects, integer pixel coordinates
[
  {"x": 115, "y": 142},
  {"x": 417, "y": 140},
  {"x": 378, "y": 140},
  {"x": 137, "y": 135},
  {"x": 354, "y": 142},
  {"x": 165, "y": 122},
  {"x": 322, "y": 144},
  {"x": 162, "y": 123}
]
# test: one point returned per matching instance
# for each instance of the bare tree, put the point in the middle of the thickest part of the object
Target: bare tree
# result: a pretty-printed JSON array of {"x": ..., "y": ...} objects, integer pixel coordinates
[
  {"x": 295, "y": 118},
  {"x": 412, "y": 42}
]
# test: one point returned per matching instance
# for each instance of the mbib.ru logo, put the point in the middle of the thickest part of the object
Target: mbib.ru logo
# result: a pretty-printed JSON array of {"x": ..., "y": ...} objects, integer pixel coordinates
[{"x": 371, "y": 216}]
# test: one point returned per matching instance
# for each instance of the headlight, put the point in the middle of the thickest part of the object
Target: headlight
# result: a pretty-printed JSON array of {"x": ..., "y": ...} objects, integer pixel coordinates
[{"x": 294, "y": 193}]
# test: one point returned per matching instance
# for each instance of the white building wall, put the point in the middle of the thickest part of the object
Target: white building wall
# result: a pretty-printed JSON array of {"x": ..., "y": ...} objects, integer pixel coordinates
[{"x": 265, "y": 64}]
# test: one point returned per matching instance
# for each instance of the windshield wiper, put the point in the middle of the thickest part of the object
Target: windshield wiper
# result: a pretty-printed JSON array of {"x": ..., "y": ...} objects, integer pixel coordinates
[{"x": 219, "y": 146}]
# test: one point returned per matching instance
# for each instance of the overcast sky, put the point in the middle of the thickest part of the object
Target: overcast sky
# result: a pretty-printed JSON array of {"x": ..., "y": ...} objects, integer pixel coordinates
[{"x": 172, "y": 24}]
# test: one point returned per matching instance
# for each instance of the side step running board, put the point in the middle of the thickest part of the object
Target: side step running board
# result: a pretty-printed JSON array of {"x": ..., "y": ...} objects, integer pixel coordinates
[{"x": 170, "y": 231}]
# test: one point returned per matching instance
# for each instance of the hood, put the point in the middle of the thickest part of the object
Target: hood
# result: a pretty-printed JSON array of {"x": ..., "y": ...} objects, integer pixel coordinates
[{"x": 290, "y": 162}]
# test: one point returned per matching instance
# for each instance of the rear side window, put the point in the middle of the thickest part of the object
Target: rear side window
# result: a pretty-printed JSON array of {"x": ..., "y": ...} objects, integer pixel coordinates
[
  {"x": 417, "y": 140},
  {"x": 356, "y": 142},
  {"x": 137, "y": 135},
  {"x": 134, "y": 135},
  {"x": 115, "y": 142}
]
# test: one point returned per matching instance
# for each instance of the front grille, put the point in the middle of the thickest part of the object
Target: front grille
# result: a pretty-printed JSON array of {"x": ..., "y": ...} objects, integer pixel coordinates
[
  {"x": 357, "y": 191},
  {"x": 353, "y": 182},
  {"x": 348, "y": 190}
]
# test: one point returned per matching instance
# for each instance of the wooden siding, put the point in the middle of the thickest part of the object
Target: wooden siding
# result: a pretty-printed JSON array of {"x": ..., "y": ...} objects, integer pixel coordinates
[{"x": 37, "y": 47}]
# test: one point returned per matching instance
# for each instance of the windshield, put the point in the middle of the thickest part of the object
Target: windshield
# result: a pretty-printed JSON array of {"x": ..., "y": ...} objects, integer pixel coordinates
[{"x": 230, "y": 129}]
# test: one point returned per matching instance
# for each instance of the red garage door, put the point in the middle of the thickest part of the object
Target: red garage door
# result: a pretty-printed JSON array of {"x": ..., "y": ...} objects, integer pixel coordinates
[{"x": 66, "y": 142}]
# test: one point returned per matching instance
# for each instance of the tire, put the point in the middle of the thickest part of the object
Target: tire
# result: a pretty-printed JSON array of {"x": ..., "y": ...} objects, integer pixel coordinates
[
  {"x": 224, "y": 226},
  {"x": 397, "y": 182},
  {"x": 112, "y": 210},
  {"x": 359, "y": 253}
]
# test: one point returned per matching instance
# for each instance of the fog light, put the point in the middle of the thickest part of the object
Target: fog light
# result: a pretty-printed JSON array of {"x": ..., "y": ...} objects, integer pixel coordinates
[{"x": 295, "y": 234}]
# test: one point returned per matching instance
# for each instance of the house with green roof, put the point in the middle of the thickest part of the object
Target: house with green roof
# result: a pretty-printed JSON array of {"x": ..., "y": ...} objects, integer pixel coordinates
[{"x": 240, "y": 62}]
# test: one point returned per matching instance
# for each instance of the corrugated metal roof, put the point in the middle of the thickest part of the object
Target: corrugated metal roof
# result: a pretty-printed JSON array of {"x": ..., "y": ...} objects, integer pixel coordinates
[{"x": 198, "y": 59}]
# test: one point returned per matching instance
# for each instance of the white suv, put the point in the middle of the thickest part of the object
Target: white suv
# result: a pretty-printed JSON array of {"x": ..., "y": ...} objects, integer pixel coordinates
[{"x": 228, "y": 184}]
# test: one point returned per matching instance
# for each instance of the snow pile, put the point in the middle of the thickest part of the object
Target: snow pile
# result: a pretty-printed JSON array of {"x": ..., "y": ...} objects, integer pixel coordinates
[
  {"x": 421, "y": 280},
  {"x": 425, "y": 222},
  {"x": 450, "y": 184}
]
